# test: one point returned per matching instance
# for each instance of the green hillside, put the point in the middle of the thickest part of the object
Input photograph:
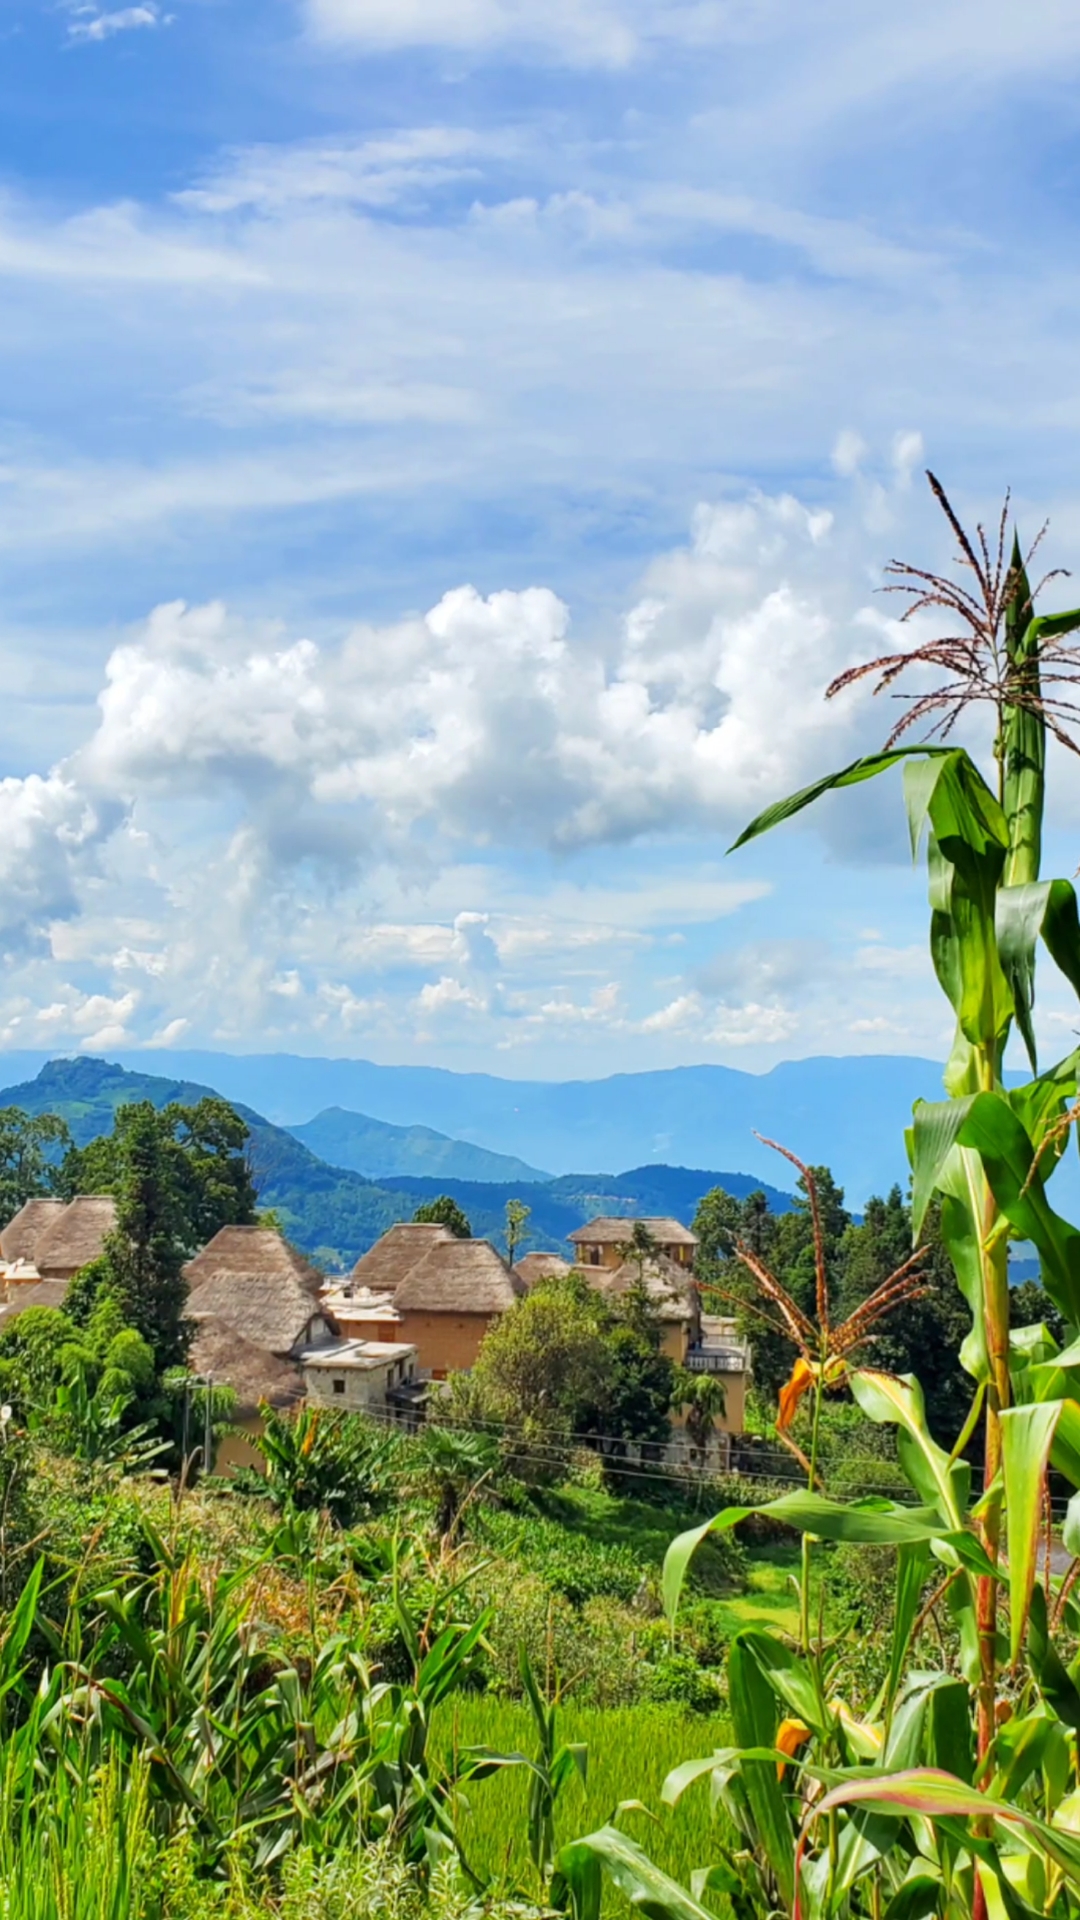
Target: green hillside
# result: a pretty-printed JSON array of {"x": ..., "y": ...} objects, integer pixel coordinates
[
  {"x": 381, "y": 1151},
  {"x": 334, "y": 1213}
]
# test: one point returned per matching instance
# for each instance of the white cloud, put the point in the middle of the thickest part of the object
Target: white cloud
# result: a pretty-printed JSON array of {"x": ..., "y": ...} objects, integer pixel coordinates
[
  {"x": 91, "y": 23},
  {"x": 488, "y": 721},
  {"x": 402, "y": 165},
  {"x": 577, "y": 31}
]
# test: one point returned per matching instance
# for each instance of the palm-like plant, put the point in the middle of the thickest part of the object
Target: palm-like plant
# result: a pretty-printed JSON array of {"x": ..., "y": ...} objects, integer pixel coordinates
[{"x": 454, "y": 1466}]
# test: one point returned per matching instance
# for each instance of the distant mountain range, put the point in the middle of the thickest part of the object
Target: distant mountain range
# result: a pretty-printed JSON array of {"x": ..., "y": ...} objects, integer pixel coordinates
[
  {"x": 381, "y": 1150},
  {"x": 334, "y": 1213},
  {"x": 847, "y": 1113}
]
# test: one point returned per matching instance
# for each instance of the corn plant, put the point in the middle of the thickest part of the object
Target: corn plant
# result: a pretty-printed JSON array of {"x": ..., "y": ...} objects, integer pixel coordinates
[
  {"x": 554, "y": 1765},
  {"x": 953, "y": 1794}
]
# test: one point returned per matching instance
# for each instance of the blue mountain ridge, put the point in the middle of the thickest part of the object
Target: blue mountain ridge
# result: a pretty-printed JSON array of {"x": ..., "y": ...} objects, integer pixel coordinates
[{"x": 336, "y": 1213}]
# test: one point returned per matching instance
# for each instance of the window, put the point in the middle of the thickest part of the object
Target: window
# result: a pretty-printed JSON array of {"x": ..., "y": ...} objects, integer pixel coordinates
[{"x": 339, "y": 1383}]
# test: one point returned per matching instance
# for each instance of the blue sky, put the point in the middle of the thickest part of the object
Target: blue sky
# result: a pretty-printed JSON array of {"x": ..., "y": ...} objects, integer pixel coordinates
[{"x": 446, "y": 447}]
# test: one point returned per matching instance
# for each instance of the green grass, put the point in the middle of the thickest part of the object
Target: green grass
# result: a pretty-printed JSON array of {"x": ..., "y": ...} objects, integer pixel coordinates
[
  {"x": 645, "y": 1525},
  {"x": 769, "y": 1599},
  {"x": 631, "y": 1750}
]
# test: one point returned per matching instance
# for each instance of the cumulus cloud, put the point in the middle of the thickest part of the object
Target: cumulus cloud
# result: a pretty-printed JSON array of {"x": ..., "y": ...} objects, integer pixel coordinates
[
  {"x": 267, "y": 834},
  {"x": 488, "y": 720}
]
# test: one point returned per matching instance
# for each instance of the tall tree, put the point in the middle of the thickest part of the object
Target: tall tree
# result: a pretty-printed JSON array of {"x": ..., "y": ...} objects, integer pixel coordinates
[
  {"x": 144, "y": 1255},
  {"x": 31, "y": 1150},
  {"x": 517, "y": 1213},
  {"x": 204, "y": 1148}
]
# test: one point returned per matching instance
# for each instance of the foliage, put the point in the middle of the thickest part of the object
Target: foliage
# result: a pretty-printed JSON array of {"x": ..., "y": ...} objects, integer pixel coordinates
[
  {"x": 201, "y": 1151},
  {"x": 31, "y": 1147},
  {"x": 322, "y": 1459},
  {"x": 954, "y": 1792},
  {"x": 444, "y": 1212},
  {"x": 517, "y": 1215},
  {"x": 455, "y": 1467}
]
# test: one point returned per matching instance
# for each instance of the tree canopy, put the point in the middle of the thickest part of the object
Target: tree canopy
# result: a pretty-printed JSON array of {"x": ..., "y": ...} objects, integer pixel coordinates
[
  {"x": 32, "y": 1147},
  {"x": 444, "y": 1212}
]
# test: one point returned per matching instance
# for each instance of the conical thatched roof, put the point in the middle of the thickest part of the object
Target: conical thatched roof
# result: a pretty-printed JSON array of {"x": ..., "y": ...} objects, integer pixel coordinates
[
  {"x": 390, "y": 1261},
  {"x": 460, "y": 1276},
  {"x": 76, "y": 1237},
  {"x": 254, "y": 1373},
  {"x": 541, "y": 1266},
  {"x": 19, "y": 1239},
  {"x": 252, "y": 1280}
]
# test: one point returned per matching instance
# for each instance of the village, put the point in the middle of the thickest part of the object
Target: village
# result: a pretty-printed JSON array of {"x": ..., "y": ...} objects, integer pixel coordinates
[{"x": 383, "y": 1339}]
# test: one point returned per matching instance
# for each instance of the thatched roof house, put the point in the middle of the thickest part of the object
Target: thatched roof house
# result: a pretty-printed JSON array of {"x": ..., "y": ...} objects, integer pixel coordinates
[
  {"x": 668, "y": 1287},
  {"x": 224, "y": 1355},
  {"x": 385, "y": 1265},
  {"x": 19, "y": 1239},
  {"x": 460, "y": 1276},
  {"x": 76, "y": 1237},
  {"x": 541, "y": 1266},
  {"x": 421, "y": 1285},
  {"x": 611, "y": 1230},
  {"x": 252, "y": 1280}
]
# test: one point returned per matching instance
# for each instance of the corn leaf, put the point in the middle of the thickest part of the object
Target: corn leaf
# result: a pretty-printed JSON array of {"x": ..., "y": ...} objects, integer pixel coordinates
[
  {"x": 865, "y": 769},
  {"x": 897, "y": 1400},
  {"x": 935, "y": 1127},
  {"x": 912, "y": 1564},
  {"x": 1055, "y": 1683},
  {"x": 1026, "y": 1437},
  {"x": 868, "y": 1523},
  {"x": 578, "y": 1868},
  {"x": 996, "y": 1133},
  {"x": 754, "y": 1719},
  {"x": 939, "y": 1796}
]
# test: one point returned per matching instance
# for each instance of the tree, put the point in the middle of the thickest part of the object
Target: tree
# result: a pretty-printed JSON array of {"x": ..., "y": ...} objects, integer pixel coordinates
[
  {"x": 567, "y": 1360},
  {"x": 144, "y": 1255},
  {"x": 701, "y": 1395},
  {"x": 444, "y": 1212},
  {"x": 640, "y": 1247},
  {"x": 204, "y": 1148},
  {"x": 31, "y": 1148},
  {"x": 516, "y": 1215},
  {"x": 543, "y": 1362},
  {"x": 452, "y": 1466}
]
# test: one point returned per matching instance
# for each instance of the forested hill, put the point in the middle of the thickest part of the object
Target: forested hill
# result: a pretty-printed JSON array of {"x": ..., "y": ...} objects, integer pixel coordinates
[{"x": 334, "y": 1213}]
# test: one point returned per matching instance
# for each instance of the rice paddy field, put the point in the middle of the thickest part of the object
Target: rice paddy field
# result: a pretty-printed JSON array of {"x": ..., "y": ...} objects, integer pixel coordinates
[{"x": 631, "y": 1750}]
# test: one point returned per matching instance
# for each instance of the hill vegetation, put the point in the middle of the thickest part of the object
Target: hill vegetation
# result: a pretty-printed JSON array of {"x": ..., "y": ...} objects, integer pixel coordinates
[{"x": 333, "y": 1213}]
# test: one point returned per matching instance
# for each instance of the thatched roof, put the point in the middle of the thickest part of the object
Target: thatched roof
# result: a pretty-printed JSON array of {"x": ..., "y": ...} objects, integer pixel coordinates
[
  {"x": 541, "y": 1266},
  {"x": 256, "y": 1283},
  {"x": 254, "y": 1373},
  {"x": 76, "y": 1237},
  {"x": 666, "y": 1284},
  {"x": 19, "y": 1239},
  {"x": 45, "y": 1293},
  {"x": 460, "y": 1276},
  {"x": 608, "y": 1230},
  {"x": 392, "y": 1259},
  {"x": 245, "y": 1250}
]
